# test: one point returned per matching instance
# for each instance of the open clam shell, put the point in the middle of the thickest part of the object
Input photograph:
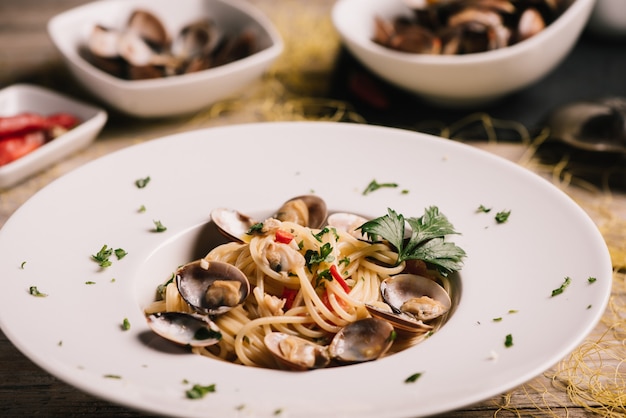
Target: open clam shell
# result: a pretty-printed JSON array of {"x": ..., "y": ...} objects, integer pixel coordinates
[
  {"x": 363, "y": 340},
  {"x": 399, "y": 320},
  {"x": 212, "y": 287},
  {"x": 296, "y": 353},
  {"x": 305, "y": 210},
  {"x": 417, "y": 295},
  {"x": 185, "y": 329}
]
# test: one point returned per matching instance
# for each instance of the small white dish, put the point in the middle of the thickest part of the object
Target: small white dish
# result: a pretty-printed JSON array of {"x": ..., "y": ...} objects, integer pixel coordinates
[
  {"x": 20, "y": 98},
  {"x": 173, "y": 95},
  {"x": 458, "y": 80},
  {"x": 511, "y": 269}
]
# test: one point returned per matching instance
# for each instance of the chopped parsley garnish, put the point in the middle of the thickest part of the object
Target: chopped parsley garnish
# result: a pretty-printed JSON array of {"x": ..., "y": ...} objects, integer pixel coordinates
[
  {"x": 508, "y": 341},
  {"x": 161, "y": 287},
  {"x": 22, "y": 265},
  {"x": 559, "y": 290},
  {"x": 483, "y": 209},
  {"x": 591, "y": 280},
  {"x": 257, "y": 228},
  {"x": 112, "y": 376},
  {"x": 325, "y": 231},
  {"x": 102, "y": 256},
  {"x": 503, "y": 216},
  {"x": 413, "y": 378},
  {"x": 141, "y": 183},
  {"x": 125, "y": 324},
  {"x": 90, "y": 282},
  {"x": 159, "y": 227},
  {"x": 498, "y": 319},
  {"x": 120, "y": 253},
  {"x": 35, "y": 292},
  {"x": 325, "y": 254},
  {"x": 374, "y": 185},
  {"x": 427, "y": 242},
  {"x": 199, "y": 391},
  {"x": 141, "y": 209}
]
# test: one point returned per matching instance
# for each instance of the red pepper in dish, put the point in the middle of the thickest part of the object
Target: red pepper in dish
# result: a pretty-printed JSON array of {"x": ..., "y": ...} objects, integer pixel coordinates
[
  {"x": 283, "y": 237},
  {"x": 12, "y": 148},
  {"x": 337, "y": 276},
  {"x": 289, "y": 295},
  {"x": 25, "y": 132}
]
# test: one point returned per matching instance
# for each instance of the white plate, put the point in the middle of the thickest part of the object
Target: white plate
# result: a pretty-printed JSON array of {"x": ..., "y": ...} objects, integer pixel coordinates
[
  {"x": 20, "y": 98},
  {"x": 75, "y": 332}
]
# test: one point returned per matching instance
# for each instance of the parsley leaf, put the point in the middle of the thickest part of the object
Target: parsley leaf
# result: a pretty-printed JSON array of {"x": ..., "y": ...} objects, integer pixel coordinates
[
  {"x": 427, "y": 241},
  {"x": 325, "y": 254},
  {"x": 374, "y": 185},
  {"x": 125, "y": 324},
  {"x": 102, "y": 256},
  {"x": 120, "y": 253},
  {"x": 413, "y": 378},
  {"x": 35, "y": 292},
  {"x": 142, "y": 182},
  {"x": 159, "y": 227},
  {"x": 508, "y": 341},
  {"x": 199, "y": 391},
  {"x": 257, "y": 228},
  {"x": 559, "y": 290},
  {"x": 502, "y": 216}
]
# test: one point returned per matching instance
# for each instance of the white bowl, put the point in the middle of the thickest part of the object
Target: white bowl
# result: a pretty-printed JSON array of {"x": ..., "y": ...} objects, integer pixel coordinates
[
  {"x": 457, "y": 80},
  {"x": 609, "y": 18},
  {"x": 173, "y": 95},
  {"x": 20, "y": 98}
]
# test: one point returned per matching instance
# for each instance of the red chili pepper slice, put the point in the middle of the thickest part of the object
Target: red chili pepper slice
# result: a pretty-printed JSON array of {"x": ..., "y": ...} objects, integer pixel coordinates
[
  {"x": 25, "y": 132},
  {"x": 289, "y": 295},
  {"x": 283, "y": 237},
  {"x": 20, "y": 124},
  {"x": 64, "y": 120},
  {"x": 337, "y": 276},
  {"x": 12, "y": 148}
]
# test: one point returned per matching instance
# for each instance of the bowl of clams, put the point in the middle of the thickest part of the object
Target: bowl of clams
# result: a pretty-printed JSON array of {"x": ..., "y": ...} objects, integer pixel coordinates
[
  {"x": 159, "y": 58},
  {"x": 461, "y": 53}
]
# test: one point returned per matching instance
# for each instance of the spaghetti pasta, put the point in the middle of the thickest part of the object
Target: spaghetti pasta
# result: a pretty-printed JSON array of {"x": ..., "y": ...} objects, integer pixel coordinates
[{"x": 308, "y": 283}]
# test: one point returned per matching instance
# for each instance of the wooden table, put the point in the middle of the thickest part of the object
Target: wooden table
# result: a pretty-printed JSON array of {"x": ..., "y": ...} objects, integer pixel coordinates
[{"x": 27, "y": 55}]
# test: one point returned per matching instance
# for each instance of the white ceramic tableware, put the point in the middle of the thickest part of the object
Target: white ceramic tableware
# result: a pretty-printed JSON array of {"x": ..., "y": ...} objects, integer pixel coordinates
[
  {"x": 172, "y": 95},
  {"x": 21, "y": 98},
  {"x": 457, "y": 80},
  {"x": 510, "y": 271}
]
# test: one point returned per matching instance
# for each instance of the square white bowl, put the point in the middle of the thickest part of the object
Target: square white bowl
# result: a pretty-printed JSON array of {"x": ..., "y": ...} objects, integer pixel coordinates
[
  {"x": 173, "y": 95},
  {"x": 465, "y": 80},
  {"x": 20, "y": 98}
]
